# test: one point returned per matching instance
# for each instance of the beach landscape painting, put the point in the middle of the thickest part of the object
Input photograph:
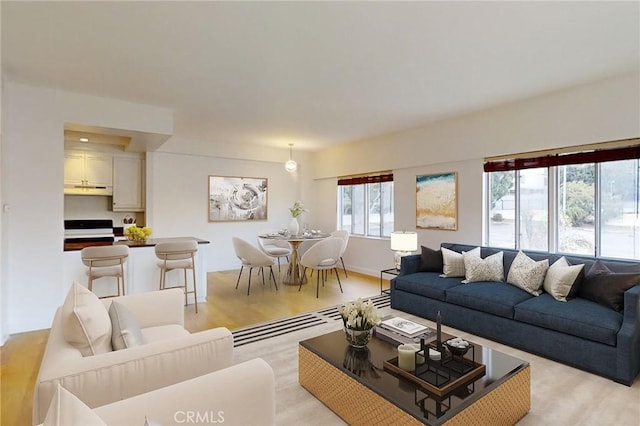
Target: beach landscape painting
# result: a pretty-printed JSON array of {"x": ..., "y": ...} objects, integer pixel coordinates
[{"x": 437, "y": 201}]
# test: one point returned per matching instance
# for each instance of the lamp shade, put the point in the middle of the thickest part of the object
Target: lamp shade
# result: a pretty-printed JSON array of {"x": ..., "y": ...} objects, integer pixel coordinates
[{"x": 404, "y": 241}]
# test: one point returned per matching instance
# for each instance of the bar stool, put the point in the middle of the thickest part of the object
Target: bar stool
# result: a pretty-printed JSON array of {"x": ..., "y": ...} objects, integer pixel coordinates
[
  {"x": 105, "y": 261},
  {"x": 178, "y": 255}
]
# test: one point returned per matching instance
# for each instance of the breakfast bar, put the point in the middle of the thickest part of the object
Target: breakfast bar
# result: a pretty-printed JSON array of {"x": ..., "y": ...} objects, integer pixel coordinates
[{"x": 142, "y": 273}]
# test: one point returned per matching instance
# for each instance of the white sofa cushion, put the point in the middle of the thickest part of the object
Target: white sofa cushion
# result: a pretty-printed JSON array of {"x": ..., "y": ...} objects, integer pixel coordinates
[
  {"x": 163, "y": 332},
  {"x": 67, "y": 410},
  {"x": 560, "y": 278},
  {"x": 85, "y": 322},
  {"x": 453, "y": 262},
  {"x": 126, "y": 331}
]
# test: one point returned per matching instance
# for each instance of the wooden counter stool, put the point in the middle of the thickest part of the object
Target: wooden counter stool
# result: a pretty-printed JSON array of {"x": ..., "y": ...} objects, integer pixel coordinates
[
  {"x": 178, "y": 255},
  {"x": 105, "y": 261}
]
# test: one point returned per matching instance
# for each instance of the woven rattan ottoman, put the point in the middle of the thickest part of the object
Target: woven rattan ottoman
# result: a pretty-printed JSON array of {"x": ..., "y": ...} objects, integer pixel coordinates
[{"x": 355, "y": 386}]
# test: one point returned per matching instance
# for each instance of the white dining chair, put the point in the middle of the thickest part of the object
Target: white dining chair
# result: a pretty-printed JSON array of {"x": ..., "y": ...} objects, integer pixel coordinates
[
  {"x": 274, "y": 248},
  {"x": 345, "y": 240},
  {"x": 252, "y": 257},
  {"x": 323, "y": 256}
]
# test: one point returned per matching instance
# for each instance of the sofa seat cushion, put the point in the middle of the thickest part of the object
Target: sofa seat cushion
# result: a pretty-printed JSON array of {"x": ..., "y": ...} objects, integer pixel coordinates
[
  {"x": 578, "y": 317},
  {"x": 428, "y": 284},
  {"x": 163, "y": 332},
  {"x": 491, "y": 297}
]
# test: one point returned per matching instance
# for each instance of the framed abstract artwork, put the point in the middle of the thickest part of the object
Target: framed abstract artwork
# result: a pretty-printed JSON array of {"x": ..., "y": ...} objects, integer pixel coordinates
[
  {"x": 437, "y": 201},
  {"x": 233, "y": 198}
]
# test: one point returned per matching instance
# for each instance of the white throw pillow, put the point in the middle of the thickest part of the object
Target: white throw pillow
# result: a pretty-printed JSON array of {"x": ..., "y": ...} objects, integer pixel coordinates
[
  {"x": 528, "y": 274},
  {"x": 488, "y": 269},
  {"x": 67, "y": 410},
  {"x": 560, "y": 278},
  {"x": 453, "y": 262},
  {"x": 126, "y": 330},
  {"x": 85, "y": 322}
]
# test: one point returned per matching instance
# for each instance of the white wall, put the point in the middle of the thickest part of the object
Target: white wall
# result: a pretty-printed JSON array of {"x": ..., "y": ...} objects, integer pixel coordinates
[
  {"x": 603, "y": 111},
  {"x": 179, "y": 184},
  {"x": 32, "y": 178}
]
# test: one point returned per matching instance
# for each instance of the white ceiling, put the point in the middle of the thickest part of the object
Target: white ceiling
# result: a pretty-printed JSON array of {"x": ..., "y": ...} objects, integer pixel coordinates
[{"x": 316, "y": 73}]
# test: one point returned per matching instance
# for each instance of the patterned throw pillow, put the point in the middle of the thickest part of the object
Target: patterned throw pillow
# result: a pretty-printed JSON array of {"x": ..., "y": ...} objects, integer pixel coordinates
[
  {"x": 453, "y": 263},
  {"x": 488, "y": 269},
  {"x": 560, "y": 278},
  {"x": 528, "y": 274}
]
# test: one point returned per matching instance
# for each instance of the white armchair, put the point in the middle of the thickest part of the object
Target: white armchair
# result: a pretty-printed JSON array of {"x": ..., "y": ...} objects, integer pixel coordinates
[{"x": 169, "y": 355}]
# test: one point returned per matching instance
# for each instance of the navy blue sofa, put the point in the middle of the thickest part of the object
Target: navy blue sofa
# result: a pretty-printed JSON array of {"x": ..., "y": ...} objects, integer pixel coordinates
[{"x": 579, "y": 332}]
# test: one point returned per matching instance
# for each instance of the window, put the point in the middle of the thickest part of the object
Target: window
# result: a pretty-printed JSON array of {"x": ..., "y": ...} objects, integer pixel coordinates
[
  {"x": 365, "y": 205},
  {"x": 580, "y": 202}
]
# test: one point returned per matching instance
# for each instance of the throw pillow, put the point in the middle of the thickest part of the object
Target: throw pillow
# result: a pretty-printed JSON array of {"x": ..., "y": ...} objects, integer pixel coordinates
[
  {"x": 607, "y": 288},
  {"x": 488, "y": 269},
  {"x": 126, "y": 330},
  {"x": 453, "y": 262},
  {"x": 67, "y": 410},
  {"x": 527, "y": 274},
  {"x": 561, "y": 278},
  {"x": 431, "y": 260},
  {"x": 85, "y": 322}
]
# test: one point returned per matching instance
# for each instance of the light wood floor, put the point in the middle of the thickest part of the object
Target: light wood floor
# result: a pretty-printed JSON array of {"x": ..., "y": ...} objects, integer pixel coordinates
[{"x": 225, "y": 307}]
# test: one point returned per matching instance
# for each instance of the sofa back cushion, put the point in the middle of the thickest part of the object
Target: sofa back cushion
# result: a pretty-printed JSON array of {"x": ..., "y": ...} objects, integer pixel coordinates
[{"x": 85, "y": 322}]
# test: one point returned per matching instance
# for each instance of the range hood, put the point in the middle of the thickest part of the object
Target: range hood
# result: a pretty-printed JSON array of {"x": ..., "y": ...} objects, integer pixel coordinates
[{"x": 88, "y": 190}]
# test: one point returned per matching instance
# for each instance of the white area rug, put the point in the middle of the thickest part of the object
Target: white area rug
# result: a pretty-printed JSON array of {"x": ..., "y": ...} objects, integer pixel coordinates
[{"x": 560, "y": 395}]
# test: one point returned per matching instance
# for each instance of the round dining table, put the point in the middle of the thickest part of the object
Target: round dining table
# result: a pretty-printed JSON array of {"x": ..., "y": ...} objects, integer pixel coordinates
[{"x": 294, "y": 274}]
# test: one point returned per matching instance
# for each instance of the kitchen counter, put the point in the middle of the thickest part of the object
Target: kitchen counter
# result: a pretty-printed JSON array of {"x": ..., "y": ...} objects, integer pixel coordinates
[
  {"x": 151, "y": 242},
  {"x": 142, "y": 273}
]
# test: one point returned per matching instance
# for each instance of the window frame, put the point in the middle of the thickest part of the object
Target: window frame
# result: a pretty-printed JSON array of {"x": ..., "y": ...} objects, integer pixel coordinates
[
  {"x": 553, "y": 165},
  {"x": 366, "y": 181}
]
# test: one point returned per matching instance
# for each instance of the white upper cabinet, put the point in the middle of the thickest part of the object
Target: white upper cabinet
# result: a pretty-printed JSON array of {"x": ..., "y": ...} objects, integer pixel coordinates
[
  {"x": 128, "y": 184},
  {"x": 84, "y": 173}
]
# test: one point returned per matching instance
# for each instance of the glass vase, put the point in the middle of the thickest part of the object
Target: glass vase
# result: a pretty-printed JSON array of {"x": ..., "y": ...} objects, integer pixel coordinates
[{"x": 358, "y": 338}]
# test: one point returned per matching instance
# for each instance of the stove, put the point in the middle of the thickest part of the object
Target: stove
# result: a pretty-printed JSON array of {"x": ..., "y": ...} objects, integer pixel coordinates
[{"x": 88, "y": 231}]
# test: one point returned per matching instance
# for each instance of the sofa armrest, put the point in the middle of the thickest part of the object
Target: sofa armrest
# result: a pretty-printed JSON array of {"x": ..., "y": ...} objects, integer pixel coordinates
[
  {"x": 105, "y": 378},
  {"x": 243, "y": 394},
  {"x": 629, "y": 334},
  {"x": 162, "y": 307},
  {"x": 410, "y": 264}
]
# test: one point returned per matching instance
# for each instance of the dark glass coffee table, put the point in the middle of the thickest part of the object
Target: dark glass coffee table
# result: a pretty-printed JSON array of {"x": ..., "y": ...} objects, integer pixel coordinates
[{"x": 357, "y": 387}]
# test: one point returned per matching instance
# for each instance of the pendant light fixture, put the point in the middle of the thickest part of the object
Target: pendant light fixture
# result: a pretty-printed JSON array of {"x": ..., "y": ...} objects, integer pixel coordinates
[{"x": 291, "y": 166}]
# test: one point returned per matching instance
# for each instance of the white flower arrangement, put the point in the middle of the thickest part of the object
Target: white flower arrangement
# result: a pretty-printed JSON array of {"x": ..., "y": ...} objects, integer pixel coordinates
[
  {"x": 297, "y": 209},
  {"x": 359, "y": 315}
]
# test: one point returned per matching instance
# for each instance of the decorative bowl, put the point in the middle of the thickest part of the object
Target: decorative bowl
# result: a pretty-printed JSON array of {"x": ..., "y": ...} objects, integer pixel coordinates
[{"x": 457, "y": 347}]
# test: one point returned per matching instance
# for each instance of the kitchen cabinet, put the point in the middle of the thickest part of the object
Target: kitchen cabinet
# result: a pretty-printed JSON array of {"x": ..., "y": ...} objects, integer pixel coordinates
[
  {"x": 84, "y": 171},
  {"x": 128, "y": 184}
]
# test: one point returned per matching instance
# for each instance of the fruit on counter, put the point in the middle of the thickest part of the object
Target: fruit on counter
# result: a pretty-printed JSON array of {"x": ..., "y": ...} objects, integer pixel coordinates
[{"x": 135, "y": 233}]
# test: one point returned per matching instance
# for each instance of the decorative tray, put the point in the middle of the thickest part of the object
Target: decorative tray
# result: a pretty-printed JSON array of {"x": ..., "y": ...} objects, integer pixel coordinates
[{"x": 440, "y": 377}]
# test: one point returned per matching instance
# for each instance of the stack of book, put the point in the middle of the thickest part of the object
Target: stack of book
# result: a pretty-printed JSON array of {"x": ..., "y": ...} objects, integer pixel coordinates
[{"x": 397, "y": 330}]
